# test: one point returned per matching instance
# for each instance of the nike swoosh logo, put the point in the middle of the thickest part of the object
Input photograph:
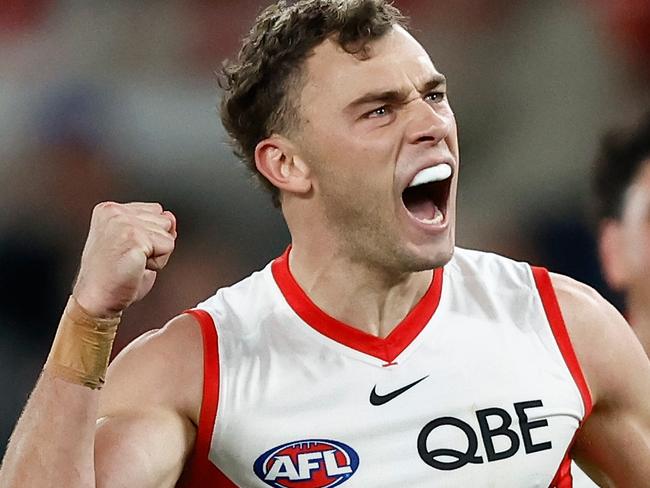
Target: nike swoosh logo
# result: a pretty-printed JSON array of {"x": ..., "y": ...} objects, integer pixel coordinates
[{"x": 376, "y": 399}]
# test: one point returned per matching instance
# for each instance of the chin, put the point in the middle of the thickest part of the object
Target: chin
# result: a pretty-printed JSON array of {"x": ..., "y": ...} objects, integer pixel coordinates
[{"x": 427, "y": 257}]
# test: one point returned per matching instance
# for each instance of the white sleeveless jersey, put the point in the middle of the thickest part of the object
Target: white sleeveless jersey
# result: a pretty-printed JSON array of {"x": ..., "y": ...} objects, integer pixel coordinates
[{"x": 477, "y": 387}]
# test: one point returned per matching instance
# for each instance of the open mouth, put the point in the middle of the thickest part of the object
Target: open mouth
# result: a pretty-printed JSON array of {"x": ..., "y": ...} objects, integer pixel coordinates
[{"x": 427, "y": 194}]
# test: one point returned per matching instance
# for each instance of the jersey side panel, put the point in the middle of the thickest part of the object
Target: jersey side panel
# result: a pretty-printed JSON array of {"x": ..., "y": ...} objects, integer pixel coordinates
[
  {"x": 564, "y": 475},
  {"x": 507, "y": 294},
  {"x": 200, "y": 471},
  {"x": 558, "y": 326}
]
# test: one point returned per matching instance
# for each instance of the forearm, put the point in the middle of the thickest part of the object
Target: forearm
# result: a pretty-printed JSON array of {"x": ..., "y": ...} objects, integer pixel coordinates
[{"x": 53, "y": 442}]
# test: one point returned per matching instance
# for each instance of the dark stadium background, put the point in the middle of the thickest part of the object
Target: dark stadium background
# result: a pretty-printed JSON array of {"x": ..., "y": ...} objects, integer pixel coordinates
[{"x": 117, "y": 100}]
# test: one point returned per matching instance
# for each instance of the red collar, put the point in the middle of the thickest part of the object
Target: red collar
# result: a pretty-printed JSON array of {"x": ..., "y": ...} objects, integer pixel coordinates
[{"x": 387, "y": 348}]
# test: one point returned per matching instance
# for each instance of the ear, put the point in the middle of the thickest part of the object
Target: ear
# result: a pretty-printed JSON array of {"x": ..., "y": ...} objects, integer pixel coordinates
[
  {"x": 277, "y": 159},
  {"x": 612, "y": 254}
]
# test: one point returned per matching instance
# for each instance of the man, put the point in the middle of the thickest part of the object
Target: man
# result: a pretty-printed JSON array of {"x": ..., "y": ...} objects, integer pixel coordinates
[
  {"x": 366, "y": 355},
  {"x": 622, "y": 195}
]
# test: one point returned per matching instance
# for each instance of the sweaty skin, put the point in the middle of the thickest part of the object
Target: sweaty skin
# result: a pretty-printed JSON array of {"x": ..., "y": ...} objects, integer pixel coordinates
[{"x": 356, "y": 252}]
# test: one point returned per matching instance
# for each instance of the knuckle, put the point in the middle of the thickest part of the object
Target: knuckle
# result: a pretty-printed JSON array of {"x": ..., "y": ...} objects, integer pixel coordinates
[
  {"x": 117, "y": 225},
  {"x": 106, "y": 206},
  {"x": 107, "y": 210}
]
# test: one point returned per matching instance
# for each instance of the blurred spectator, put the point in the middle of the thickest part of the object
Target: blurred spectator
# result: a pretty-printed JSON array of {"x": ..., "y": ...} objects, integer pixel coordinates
[{"x": 622, "y": 197}]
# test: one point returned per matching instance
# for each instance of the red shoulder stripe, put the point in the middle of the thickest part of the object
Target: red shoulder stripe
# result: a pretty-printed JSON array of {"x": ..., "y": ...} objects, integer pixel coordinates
[{"x": 200, "y": 471}]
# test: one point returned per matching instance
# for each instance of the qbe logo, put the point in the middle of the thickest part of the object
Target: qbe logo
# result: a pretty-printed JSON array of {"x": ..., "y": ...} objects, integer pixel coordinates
[{"x": 312, "y": 463}]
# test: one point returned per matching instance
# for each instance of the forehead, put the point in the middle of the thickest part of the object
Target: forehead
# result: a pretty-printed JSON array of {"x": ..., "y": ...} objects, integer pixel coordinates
[{"x": 394, "y": 61}]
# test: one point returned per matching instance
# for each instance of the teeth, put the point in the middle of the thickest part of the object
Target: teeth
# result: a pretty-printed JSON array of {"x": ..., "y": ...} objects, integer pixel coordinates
[
  {"x": 437, "y": 218},
  {"x": 429, "y": 175}
]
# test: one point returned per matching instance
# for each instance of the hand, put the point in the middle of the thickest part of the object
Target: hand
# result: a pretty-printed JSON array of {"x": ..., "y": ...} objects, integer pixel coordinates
[{"x": 127, "y": 245}]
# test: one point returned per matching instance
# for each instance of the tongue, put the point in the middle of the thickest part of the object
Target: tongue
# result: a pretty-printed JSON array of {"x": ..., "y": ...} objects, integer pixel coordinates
[{"x": 421, "y": 208}]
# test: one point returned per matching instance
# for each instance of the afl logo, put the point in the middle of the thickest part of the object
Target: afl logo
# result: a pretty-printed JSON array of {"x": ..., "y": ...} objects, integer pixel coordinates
[{"x": 312, "y": 463}]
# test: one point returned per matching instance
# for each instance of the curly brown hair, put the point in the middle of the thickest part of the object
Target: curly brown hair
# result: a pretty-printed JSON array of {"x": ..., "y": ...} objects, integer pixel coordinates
[{"x": 261, "y": 85}]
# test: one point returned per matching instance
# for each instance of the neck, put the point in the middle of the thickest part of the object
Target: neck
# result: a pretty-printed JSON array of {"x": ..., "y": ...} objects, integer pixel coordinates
[
  {"x": 357, "y": 293},
  {"x": 639, "y": 316}
]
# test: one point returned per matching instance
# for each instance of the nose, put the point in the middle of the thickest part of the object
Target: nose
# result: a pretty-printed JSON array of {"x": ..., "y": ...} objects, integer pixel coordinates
[{"x": 427, "y": 124}]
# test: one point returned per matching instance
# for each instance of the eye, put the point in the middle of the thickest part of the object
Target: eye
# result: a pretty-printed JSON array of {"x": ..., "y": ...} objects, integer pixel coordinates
[
  {"x": 378, "y": 112},
  {"x": 435, "y": 97}
]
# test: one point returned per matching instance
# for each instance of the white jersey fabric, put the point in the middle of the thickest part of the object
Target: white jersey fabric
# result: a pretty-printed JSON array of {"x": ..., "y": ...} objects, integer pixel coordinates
[{"x": 477, "y": 387}]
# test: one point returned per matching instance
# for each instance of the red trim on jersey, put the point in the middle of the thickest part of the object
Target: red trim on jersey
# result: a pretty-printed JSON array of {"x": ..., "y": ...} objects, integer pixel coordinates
[
  {"x": 387, "y": 348},
  {"x": 554, "y": 315},
  {"x": 563, "y": 477},
  {"x": 199, "y": 470}
]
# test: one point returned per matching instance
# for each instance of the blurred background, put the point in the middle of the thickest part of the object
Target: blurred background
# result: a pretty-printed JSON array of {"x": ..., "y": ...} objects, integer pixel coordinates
[{"x": 117, "y": 100}]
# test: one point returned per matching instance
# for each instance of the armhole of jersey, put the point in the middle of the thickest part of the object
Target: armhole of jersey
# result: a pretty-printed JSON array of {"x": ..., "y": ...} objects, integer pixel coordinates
[
  {"x": 563, "y": 477},
  {"x": 555, "y": 319},
  {"x": 200, "y": 470}
]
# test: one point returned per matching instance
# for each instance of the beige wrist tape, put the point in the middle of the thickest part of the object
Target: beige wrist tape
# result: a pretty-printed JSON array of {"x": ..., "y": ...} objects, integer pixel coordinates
[{"x": 82, "y": 346}]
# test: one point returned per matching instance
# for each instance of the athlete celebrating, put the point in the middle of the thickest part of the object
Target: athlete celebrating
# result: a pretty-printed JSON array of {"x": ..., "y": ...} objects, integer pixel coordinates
[{"x": 372, "y": 353}]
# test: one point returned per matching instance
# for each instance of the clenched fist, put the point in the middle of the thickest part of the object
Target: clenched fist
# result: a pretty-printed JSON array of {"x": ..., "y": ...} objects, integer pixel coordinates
[{"x": 127, "y": 244}]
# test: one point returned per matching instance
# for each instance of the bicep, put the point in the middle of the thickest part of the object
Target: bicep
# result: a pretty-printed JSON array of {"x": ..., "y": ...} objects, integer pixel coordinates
[
  {"x": 614, "y": 441},
  {"x": 612, "y": 447},
  {"x": 149, "y": 408},
  {"x": 143, "y": 449}
]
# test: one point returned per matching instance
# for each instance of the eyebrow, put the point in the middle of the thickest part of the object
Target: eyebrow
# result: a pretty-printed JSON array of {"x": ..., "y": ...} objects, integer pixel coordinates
[{"x": 396, "y": 96}]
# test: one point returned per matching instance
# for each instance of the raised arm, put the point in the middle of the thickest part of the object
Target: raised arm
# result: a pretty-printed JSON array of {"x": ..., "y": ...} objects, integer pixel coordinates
[
  {"x": 613, "y": 445},
  {"x": 58, "y": 441},
  {"x": 149, "y": 409}
]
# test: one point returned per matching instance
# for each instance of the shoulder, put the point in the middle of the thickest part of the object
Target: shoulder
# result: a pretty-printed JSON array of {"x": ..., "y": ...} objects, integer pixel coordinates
[
  {"x": 618, "y": 373},
  {"x": 603, "y": 341},
  {"x": 162, "y": 369},
  {"x": 488, "y": 268},
  {"x": 237, "y": 310},
  {"x": 471, "y": 257},
  {"x": 241, "y": 293}
]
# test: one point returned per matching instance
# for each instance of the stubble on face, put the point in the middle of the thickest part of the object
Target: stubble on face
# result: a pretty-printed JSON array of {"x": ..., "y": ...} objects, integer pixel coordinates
[
  {"x": 363, "y": 218},
  {"x": 354, "y": 175}
]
